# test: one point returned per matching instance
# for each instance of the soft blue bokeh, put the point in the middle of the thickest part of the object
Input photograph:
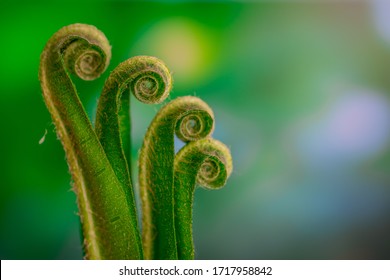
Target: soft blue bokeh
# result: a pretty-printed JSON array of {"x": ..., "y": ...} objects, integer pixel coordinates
[{"x": 300, "y": 93}]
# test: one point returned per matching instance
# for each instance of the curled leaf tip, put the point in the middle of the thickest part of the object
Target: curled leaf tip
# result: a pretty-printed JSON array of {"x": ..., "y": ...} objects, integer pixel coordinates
[
  {"x": 206, "y": 162},
  {"x": 83, "y": 49},
  {"x": 191, "y": 119},
  {"x": 209, "y": 159},
  {"x": 109, "y": 226}
]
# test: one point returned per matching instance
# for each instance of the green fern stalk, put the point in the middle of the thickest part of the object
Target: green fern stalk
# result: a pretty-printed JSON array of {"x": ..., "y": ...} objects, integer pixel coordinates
[
  {"x": 206, "y": 162},
  {"x": 191, "y": 119},
  {"x": 150, "y": 82},
  {"x": 109, "y": 232}
]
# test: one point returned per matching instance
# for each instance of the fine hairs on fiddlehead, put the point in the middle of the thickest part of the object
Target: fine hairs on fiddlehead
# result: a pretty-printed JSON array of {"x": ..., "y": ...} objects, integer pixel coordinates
[
  {"x": 192, "y": 119},
  {"x": 150, "y": 82},
  {"x": 99, "y": 158},
  {"x": 109, "y": 232},
  {"x": 206, "y": 162}
]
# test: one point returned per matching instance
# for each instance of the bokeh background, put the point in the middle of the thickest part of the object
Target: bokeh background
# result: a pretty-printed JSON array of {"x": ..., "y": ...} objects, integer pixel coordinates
[{"x": 301, "y": 95}]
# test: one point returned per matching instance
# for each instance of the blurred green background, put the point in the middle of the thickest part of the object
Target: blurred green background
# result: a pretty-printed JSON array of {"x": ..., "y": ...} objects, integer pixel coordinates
[{"x": 301, "y": 95}]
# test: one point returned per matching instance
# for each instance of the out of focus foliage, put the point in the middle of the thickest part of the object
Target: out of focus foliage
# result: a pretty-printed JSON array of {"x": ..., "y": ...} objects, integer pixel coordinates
[{"x": 301, "y": 95}]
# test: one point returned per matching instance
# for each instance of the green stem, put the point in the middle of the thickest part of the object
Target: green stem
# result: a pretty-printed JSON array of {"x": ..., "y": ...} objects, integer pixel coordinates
[
  {"x": 192, "y": 119},
  {"x": 150, "y": 82},
  {"x": 206, "y": 162},
  {"x": 108, "y": 231}
]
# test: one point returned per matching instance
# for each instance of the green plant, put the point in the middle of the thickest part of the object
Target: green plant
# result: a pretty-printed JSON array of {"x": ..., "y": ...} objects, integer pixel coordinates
[{"x": 99, "y": 158}]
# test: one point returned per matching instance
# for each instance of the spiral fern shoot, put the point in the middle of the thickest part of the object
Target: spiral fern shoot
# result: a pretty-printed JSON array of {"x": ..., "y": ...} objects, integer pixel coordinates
[
  {"x": 150, "y": 82},
  {"x": 206, "y": 162},
  {"x": 109, "y": 232},
  {"x": 191, "y": 119},
  {"x": 99, "y": 158}
]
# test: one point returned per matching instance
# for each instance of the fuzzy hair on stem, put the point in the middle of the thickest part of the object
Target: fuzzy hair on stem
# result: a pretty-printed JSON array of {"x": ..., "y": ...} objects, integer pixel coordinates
[
  {"x": 109, "y": 232},
  {"x": 206, "y": 162},
  {"x": 191, "y": 119}
]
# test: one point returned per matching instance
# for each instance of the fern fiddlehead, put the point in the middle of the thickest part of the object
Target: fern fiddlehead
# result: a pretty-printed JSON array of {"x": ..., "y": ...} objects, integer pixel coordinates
[
  {"x": 108, "y": 231},
  {"x": 206, "y": 162},
  {"x": 192, "y": 119},
  {"x": 150, "y": 82}
]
